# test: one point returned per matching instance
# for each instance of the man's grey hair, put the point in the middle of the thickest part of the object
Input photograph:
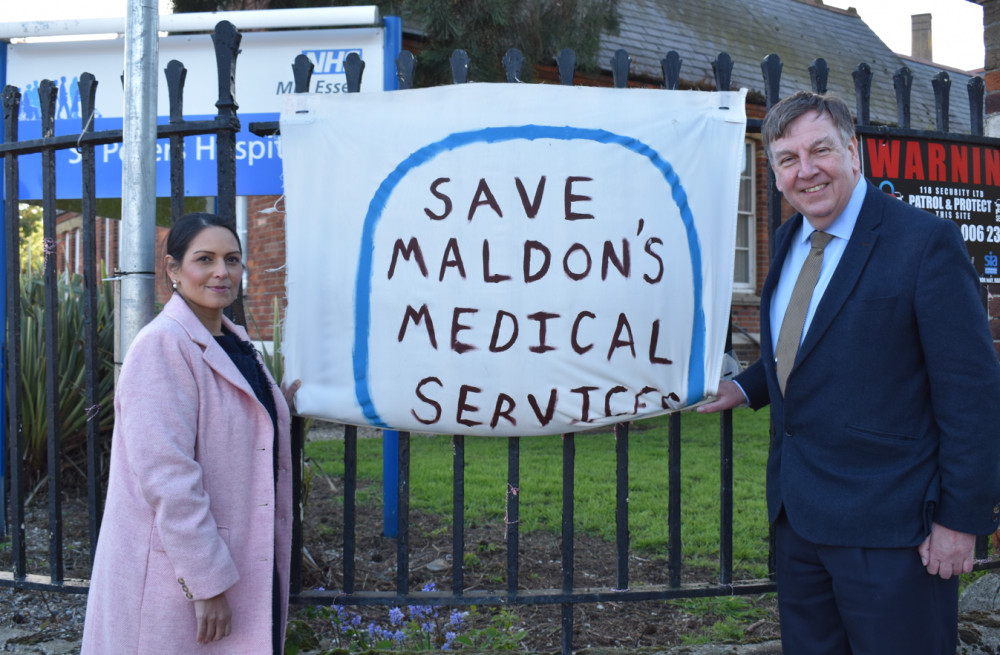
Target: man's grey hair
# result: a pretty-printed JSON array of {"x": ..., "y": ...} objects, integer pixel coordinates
[{"x": 783, "y": 113}]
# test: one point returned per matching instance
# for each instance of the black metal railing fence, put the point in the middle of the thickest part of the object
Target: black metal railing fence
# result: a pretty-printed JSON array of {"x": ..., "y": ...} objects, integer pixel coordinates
[{"x": 225, "y": 126}]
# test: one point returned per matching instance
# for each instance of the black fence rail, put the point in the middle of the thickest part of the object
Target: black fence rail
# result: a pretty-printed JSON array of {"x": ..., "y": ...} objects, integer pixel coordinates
[{"x": 225, "y": 126}]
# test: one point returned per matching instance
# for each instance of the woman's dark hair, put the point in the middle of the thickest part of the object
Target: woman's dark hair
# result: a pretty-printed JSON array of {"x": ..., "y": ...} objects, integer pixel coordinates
[{"x": 187, "y": 228}]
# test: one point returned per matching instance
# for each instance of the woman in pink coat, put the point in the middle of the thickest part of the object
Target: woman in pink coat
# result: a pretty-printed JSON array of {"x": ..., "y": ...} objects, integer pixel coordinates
[{"x": 195, "y": 542}]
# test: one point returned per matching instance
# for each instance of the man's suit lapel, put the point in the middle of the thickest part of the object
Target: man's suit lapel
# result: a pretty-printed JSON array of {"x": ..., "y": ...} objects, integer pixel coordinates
[{"x": 845, "y": 278}]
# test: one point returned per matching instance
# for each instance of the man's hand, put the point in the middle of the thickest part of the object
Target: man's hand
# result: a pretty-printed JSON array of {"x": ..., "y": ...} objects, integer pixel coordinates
[
  {"x": 946, "y": 552},
  {"x": 215, "y": 619},
  {"x": 729, "y": 396}
]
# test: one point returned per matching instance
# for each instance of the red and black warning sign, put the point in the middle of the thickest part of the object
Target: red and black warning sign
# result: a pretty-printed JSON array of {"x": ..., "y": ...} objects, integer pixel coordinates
[{"x": 957, "y": 181}]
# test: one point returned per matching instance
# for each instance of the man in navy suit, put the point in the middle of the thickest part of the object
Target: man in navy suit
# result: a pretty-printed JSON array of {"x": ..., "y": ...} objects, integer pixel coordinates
[{"x": 885, "y": 459}]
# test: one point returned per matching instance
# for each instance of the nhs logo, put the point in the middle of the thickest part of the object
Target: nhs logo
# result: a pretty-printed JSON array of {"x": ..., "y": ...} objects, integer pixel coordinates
[{"x": 329, "y": 62}]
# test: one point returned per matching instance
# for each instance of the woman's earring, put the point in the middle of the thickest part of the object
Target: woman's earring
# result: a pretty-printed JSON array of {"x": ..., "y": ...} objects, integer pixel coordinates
[{"x": 174, "y": 284}]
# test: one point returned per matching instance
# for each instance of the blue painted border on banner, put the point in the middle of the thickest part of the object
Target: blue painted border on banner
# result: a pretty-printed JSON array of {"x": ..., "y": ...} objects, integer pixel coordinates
[{"x": 362, "y": 296}]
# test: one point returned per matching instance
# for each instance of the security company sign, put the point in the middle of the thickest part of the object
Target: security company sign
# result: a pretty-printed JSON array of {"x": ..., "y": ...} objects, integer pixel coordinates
[
  {"x": 957, "y": 181},
  {"x": 509, "y": 259}
]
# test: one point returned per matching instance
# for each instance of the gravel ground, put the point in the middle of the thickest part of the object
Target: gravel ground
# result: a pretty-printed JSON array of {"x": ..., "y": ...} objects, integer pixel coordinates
[{"x": 41, "y": 622}]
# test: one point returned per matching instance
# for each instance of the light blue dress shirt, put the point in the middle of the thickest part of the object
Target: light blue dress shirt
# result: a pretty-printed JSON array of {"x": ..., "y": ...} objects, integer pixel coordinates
[{"x": 841, "y": 229}]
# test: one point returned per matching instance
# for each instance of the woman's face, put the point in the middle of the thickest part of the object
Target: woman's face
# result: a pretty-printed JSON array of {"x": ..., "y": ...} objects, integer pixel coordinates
[{"x": 208, "y": 278}]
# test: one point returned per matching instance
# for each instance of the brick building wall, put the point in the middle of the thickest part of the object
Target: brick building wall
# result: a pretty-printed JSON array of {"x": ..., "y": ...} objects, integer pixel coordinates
[
  {"x": 264, "y": 256},
  {"x": 265, "y": 262},
  {"x": 69, "y": 244},
  {"x": 69, "y": 249},
  {"x": 746, "y": 304}
]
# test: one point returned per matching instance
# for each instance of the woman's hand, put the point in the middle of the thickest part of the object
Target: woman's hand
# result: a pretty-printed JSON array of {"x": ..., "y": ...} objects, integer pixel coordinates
[
  {"x": 215, "y": 619},
  {"x": 289, "y": 392}
]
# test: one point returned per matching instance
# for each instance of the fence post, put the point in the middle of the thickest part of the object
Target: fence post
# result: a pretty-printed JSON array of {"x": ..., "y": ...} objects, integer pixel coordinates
[
  {"x": 512, "y": 517},
  {"x": 863, "y": 92},
  {"x": 354, "y": 68},
  {"x": 91, "y": 282},
  {"x": 176, "y": 74},
  {"x": 459, "y": 67},
  {"x": 674, "y": 498},
  {"x": 513, "y": 62},
  {"x": 942, "y": 93},
  {"x": 977, "y": 92},
  {"x": 902, "y": 81},
  {"x": 620, "y": 64},
  {"x": 819, "y": 74},
  {"x": 226, "y": 39},
  {"x": 47, "y": 95},
  {"x": 566, "y": 550},
  {"x": 11, "y": 107},
  {"x": 771, "y": 68},
  {"x": 566, "y": 61},
  {"x": 390, "y": 475},
  {"x": 671, "y": 67},
  {"x": 406, "y": 65},
  {"x": 722, "y": 67}
]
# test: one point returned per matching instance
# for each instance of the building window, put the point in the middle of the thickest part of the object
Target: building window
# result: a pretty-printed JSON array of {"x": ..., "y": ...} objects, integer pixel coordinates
[{"x": 746, "y": 221}]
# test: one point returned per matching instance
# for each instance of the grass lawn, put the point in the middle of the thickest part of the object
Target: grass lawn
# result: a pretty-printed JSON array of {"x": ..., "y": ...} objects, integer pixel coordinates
[{"x": 540, "y": 489}]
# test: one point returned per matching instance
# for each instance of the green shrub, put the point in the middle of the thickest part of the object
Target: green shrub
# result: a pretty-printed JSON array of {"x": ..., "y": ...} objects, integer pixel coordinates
[{"x": 71, "y": 407}]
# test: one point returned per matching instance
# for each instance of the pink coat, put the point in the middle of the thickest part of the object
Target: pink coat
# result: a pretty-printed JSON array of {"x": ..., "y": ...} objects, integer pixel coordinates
[{"x": 192, "y": 508}]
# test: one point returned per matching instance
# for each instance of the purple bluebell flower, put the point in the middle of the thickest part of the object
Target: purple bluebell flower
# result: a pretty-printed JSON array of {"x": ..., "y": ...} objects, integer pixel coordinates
[
  {"x": 457, "y": 618},
  {"x": 395, "y": 616}
]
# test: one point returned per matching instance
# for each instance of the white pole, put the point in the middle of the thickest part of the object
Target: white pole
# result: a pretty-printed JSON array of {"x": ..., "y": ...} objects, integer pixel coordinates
[{"x": 138, "y": 231}]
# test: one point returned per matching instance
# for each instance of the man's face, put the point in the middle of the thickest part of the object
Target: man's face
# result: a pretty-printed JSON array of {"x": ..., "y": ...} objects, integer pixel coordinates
[{"x": 815, "y": 170}]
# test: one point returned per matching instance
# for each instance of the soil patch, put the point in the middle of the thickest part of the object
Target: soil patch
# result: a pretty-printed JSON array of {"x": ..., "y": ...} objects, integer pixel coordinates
[{"x": 623, "y": 625}]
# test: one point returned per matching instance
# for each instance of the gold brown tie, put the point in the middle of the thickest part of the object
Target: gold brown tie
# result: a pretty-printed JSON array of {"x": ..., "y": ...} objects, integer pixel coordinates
[{"x": 798, "y": 306}]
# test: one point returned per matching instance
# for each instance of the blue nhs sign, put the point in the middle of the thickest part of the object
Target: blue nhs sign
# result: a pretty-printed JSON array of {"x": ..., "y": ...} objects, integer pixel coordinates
[{"x": 330, "y": 62}]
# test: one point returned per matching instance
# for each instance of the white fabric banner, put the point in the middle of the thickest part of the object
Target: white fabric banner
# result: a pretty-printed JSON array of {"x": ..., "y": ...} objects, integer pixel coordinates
[{"x": 508, "y": 259}]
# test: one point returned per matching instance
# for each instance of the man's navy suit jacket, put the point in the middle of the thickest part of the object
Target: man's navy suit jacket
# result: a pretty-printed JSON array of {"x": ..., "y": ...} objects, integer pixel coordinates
[{"x": 891, "y": 418}]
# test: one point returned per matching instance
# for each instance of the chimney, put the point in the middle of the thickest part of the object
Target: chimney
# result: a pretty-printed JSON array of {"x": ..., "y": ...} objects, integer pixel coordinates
[{"x": 921, "y": 37}]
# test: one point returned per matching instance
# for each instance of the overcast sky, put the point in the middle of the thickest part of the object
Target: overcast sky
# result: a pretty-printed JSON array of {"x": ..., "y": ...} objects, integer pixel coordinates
[{"x": 957, "y": 25}]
